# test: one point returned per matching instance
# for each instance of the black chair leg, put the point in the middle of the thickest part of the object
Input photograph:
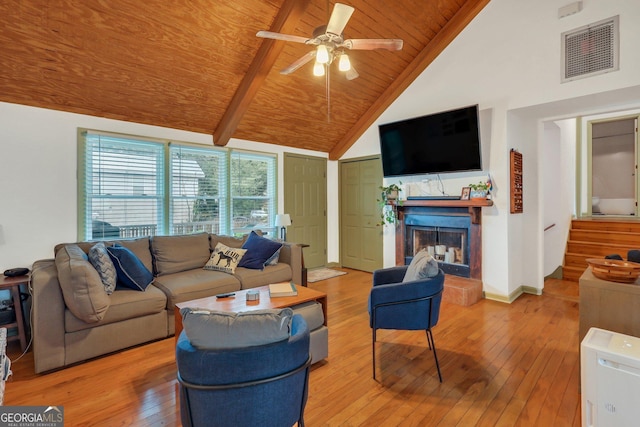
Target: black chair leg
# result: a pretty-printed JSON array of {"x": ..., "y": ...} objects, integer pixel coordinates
[
  {"x": 432, "y": 346},
  {"x": 373, "y": 351}
]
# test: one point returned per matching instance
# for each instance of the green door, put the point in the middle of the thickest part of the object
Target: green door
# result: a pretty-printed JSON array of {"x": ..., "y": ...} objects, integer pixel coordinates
[
  {"x": 360, "y": 237},
  {"x": 305, "y": 199}
]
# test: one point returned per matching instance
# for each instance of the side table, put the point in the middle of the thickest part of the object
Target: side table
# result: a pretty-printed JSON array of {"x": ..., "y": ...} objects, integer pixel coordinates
[
  {"x": 304, "y": 269},
  {"x": 13, "y": 284}
]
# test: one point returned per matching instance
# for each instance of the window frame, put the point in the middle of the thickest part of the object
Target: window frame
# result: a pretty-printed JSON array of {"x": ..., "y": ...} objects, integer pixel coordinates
[{"x": 165, "y": 223}]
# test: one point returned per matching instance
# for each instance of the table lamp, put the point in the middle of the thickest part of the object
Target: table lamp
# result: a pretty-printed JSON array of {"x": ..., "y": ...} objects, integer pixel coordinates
[{"x": 283, "y": 221}]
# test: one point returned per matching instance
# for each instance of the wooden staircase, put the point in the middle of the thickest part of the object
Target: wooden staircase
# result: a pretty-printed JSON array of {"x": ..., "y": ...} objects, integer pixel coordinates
[{"x": 596, "y": 238}]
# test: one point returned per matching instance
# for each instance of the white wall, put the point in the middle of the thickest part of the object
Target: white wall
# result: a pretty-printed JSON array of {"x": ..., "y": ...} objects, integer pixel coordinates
[
  {"x": 508, "y": 61},
  {"x": 558, "y": 177}
]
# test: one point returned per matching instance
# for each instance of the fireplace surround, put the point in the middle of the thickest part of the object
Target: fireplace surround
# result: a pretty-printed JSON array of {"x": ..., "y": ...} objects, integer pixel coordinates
[{"x": 450, "y": 229}]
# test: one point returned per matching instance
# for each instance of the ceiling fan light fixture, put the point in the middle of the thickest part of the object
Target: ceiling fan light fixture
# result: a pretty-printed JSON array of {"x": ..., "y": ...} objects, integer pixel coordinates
[
  {"x": 322, "y": 54},
  {"x": 344, "y": 64},
  {"x": 318, "y": 69}
]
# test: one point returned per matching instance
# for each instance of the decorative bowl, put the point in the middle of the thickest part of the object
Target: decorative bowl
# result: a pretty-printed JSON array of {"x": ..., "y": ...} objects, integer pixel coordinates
[{"x": 614, "y": 270}]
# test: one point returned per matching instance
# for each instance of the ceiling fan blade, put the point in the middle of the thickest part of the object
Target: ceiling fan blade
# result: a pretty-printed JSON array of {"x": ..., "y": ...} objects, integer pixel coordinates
[
  {"x": 351, "y": 74},
  {"x": 279, "y": 36},
  {"x": 339, "y": 18},
  {"x": 299, "y": 63},
  {"x": 372, "y": 44}
]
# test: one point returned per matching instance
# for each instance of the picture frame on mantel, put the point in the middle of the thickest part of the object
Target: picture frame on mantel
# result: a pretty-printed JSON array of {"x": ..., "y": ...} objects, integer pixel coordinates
[{"x": 466, "y": 193}]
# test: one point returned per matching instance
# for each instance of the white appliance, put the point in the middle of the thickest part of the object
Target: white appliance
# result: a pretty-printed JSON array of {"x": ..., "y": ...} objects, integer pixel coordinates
[{"x": 610, "y": 374}]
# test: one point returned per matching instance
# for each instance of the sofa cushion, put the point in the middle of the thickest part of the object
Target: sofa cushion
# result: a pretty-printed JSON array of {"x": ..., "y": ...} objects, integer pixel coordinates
[
  {"x": 422, "y": 266},
  {"x": 194, "y": 284},
  {"x": 224, "y": 258},
  {"x": 212, "y": 330},
  {"x": 131, "y": 271},
  {"x": 259, "y": 251},
  {"x": 173, "y": 254},
  {"x": 232, "y": 242},
  {"x": 101, "y": 261},
  {"x": 271, "y": 274},
  {"x": 126, "y": 304},
  {"x": 82, "y": 289}
]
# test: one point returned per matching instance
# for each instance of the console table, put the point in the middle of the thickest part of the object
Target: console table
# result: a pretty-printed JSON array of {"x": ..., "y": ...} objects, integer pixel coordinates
[
  {"x": 608, "y": 305},
  {"x": 13, "y": 284}
]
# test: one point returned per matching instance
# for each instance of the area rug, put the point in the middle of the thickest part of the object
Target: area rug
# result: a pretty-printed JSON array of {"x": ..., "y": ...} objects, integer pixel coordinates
[{"x": 323, "y": 274}]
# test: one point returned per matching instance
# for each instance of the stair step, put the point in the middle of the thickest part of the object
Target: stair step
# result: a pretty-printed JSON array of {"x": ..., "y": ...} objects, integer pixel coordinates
[
  {"x": 598, "y": 249},
  {"x": 577, "y": 260},
  {"x": 572, "y": 273},
  {"x": 625, "y": 225},
  {"x": 608, "y": 237}
]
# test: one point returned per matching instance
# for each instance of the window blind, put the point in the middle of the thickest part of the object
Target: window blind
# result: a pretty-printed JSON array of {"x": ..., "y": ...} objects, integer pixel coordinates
[
  {"x": 123, "y": 187},
  {"x": 253, "y": 191},
  {"x": 198, "y": 190}
]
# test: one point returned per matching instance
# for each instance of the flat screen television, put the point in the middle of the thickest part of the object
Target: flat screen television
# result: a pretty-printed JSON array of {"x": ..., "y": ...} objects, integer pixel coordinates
[{"x": 438, "y": 143}]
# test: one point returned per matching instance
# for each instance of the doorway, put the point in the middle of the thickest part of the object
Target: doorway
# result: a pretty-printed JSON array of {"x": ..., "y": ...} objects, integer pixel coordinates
[{"x": 614, "y": 165}]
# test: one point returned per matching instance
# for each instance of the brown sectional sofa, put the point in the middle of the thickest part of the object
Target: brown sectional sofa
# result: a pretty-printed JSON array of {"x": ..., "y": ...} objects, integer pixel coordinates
[{"x": 133, "y": 317}]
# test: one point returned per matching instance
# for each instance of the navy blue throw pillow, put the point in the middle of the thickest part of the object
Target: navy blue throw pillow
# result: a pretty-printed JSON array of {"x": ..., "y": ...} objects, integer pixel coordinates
[
  {"x": 259, "y": 250},
  {"x": 130, "y": 270}
]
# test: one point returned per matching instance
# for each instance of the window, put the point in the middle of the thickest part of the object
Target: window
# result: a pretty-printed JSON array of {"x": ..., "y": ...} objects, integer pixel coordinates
[
  {"x": 132, "y": 187},
  {"x": 253, "y": 188}
]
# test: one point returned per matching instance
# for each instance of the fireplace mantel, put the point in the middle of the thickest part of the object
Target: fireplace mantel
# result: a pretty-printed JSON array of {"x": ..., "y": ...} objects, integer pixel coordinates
[
  {"x": 474, "y": 206},
  {"x": 453, "y": 208}
]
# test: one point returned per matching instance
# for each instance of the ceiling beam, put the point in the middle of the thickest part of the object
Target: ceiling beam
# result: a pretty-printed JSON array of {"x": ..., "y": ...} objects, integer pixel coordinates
[
  {"x": 431, "y": 51},
  {"x": 285, "y": 22}
]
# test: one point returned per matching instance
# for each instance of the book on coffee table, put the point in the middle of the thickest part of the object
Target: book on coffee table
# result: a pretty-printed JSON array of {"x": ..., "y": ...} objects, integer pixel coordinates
[{"x": 282, "y": 289}]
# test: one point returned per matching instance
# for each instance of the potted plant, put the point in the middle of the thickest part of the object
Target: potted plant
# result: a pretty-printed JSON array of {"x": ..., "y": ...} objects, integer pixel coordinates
[
  {"x": 479, "y": 190},
  {"x": 389, "y": 199}
]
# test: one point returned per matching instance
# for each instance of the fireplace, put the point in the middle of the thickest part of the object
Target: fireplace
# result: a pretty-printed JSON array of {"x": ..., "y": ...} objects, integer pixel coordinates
[
  {"x": 446, "y": 238},
  {"x": 449, "y": 230}
]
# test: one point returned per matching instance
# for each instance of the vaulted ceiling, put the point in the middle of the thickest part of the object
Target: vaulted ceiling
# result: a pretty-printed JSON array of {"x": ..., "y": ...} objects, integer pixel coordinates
[{"x": 197, "y": 65}]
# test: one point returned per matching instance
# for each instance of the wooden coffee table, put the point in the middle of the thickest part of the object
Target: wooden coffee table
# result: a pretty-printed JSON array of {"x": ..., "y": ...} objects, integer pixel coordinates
[{"x": 238, "y": 303}]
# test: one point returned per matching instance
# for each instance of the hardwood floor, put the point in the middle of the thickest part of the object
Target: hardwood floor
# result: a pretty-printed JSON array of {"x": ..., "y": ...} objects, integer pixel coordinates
[{"x": 502, "y": 364}]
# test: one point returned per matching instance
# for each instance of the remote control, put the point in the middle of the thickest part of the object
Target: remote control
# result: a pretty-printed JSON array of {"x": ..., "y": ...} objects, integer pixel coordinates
[{"x": 230, "y": 294}]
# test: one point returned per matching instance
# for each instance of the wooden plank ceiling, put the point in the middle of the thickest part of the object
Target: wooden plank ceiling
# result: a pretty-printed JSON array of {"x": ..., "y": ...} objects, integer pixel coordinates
[{"x": 197, "y": 65}]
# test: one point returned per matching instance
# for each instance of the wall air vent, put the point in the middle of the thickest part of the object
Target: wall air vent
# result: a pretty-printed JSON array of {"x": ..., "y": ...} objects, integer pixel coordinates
[{"x": 590, "y": 50}]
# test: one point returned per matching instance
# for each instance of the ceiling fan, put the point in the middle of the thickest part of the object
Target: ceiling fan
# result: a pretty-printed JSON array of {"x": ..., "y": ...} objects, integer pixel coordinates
[{"x": 330, "y": 44}]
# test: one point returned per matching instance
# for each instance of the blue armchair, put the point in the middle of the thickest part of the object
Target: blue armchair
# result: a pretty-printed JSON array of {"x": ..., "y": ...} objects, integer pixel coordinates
[
  {"x": 413, "y": 305},
  {"x": 263, "y": 385}
]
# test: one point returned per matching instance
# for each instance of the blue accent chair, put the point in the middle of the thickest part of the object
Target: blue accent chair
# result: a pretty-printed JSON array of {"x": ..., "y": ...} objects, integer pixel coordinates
[
  {"x": 262, "y": 385},
  {"x": 413, "y": 305}
]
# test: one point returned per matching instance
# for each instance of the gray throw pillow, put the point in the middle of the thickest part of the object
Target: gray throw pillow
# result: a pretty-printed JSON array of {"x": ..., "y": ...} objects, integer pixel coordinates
[
  {"x": 423, "y": 266},
  {"x": 101, "y": 261},
  {"x": 214, "y": 330}
]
